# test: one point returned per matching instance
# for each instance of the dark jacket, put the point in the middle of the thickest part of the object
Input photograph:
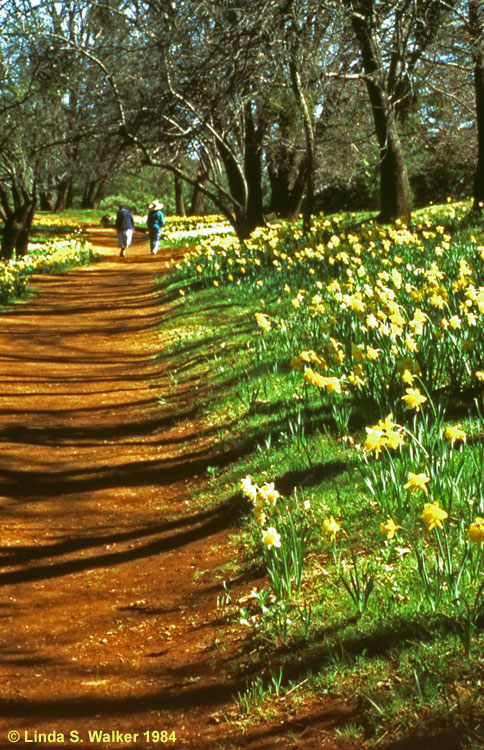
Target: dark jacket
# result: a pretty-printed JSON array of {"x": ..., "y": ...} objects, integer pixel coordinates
[{"x": 124, "y": 220}]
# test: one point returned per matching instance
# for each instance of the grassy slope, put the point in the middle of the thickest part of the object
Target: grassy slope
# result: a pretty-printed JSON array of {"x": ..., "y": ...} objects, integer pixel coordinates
[{"x": 403, "y": 664}]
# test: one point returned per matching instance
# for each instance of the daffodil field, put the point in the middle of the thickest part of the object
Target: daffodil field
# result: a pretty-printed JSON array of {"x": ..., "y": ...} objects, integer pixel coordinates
[
  {"x": 356, "y": 360},
  {"x": 45, "y": 254}
]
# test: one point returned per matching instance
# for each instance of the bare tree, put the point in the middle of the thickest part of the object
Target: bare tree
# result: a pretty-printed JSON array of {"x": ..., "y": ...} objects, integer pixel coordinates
[{"x": 392, "y": 37}]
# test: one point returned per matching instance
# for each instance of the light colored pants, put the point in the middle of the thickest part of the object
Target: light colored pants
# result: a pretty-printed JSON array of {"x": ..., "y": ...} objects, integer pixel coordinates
[
  {"x": 124, "y": 238},
  {"x": 155, "y": 234}
]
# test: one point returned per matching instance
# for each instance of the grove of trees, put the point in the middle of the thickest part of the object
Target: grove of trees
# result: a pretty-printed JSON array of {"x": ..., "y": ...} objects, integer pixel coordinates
[{"x": 253, "y": 107}]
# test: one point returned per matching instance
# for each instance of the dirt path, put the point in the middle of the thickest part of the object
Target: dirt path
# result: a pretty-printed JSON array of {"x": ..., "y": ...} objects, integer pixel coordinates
[{"x": 108, "y": 600}]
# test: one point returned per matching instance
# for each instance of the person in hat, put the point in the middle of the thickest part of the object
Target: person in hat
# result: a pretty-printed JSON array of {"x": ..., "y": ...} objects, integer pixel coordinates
[
  {"x": 124, "y": 228},
  {"x": 155, "y": 222}
]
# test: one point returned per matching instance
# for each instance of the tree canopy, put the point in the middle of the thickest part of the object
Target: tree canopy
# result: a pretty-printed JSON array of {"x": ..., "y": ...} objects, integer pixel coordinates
[{"x": 257, "y": 106}]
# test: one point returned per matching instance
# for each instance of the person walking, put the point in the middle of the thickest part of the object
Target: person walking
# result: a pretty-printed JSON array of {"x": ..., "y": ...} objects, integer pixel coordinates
[
  {"x": 124, "y": 228},
  {"x": 155, "y": 222}
]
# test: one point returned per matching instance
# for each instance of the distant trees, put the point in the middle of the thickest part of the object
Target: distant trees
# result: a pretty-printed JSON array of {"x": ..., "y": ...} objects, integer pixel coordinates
[
  {"x": 256, "y": 106},
  {"x": 207, "y": 104}
]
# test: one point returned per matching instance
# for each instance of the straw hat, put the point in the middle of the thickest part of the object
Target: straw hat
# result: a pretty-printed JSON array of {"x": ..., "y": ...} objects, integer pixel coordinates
[{"x": 156, "y": 205}]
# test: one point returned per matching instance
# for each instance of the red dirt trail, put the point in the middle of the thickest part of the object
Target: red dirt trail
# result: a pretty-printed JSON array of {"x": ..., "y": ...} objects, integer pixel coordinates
[{"x": 110, "y": 633}]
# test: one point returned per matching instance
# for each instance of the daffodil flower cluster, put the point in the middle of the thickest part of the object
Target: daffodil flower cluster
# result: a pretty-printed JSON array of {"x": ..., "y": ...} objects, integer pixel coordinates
[
  {"x": 52, "y": 222},
  {"x": 195, "y": 223},
  {"x": 429, "y": 466},
  {"x": 281, "y": 529},
  {"x": 380, "y": 306},
  {"x": 41, "y": 257},
  {"x": 263, "y": 501},
  {"x": 386, "y": 433}
]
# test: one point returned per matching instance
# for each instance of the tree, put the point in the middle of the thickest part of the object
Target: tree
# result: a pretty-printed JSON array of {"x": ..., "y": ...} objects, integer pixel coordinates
[
  {"x": 392, "y": 37},
  {"x": 476, "y": 29},
  {"x": 228, "y": 97},
  {"x": 200, "y": 104},
  {"x": 18, "y": 141}
]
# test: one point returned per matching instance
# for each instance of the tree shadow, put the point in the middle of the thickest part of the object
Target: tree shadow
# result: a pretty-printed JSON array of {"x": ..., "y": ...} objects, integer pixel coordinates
[{"x": 149, "y": 540}]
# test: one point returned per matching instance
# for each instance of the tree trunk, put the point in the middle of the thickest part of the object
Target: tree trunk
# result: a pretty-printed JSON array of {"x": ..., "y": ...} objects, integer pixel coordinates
[
  {"x": 245, "y": 180},
  {"x": 100, "y": 193},
  {"x": 253, "y": 171},
  {"x": 64, "y": 195},
  {"x": 70, "y": 194},
  {"x": 198, "y": 197},
  {"x": 17, "y": 221},
  {"x": 47, "y": 195},
  {"x": 93, "y": 194},
  {"x": 45, "y": 201},
  {"x": 179, "y": 200},
  {"x": 243, "y": 226},
  {"x": 476, "y": 14},
  {"x": 394, "y": 183},
  {"x": 22, "y": 244},
  {"x": 479, "y": 174},
  {"x": 310, "y": 147},
  {"x": 286, "y": 198},
  {"x": 87, "y": 195}
]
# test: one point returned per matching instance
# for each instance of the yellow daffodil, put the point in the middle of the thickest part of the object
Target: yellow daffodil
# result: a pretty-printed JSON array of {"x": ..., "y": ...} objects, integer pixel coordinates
[
  {"x": 259, "y": 512},
  {"x": 271, "y": 538},
  {"x": 374, "y": 441},
  {"x": 310, "y": 357},
  {"x": 354, "y": 378},
  {"x": 263, "y": 321},
  {"x": 394, "y": 439},
  {"x": 330, "y": 528},
  {"x": 413, "y": 398},
  {"x": 332, "y": 385},
  {"x": 476, "y": 531},
  {"x": 357, "y": 352},
  {"x": 269, "y": 493},
  {"x": 411, "y": 344},
  {"x": 386, "y": 433},
  {"x": 433, "y": 515},
  {"x": 389, "y": 528},
  {"x": 387, "y": 423},
  {"x": 249, "y": 489},
  {"x": 436, "y": 300},
  {"x": 314, "y": 378},
  {"x": 453, "y": 433},
  {"x": 417, "y": 482},
  {"x": 408, "y": 377},
  {"x": 372, "y": 354}
]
